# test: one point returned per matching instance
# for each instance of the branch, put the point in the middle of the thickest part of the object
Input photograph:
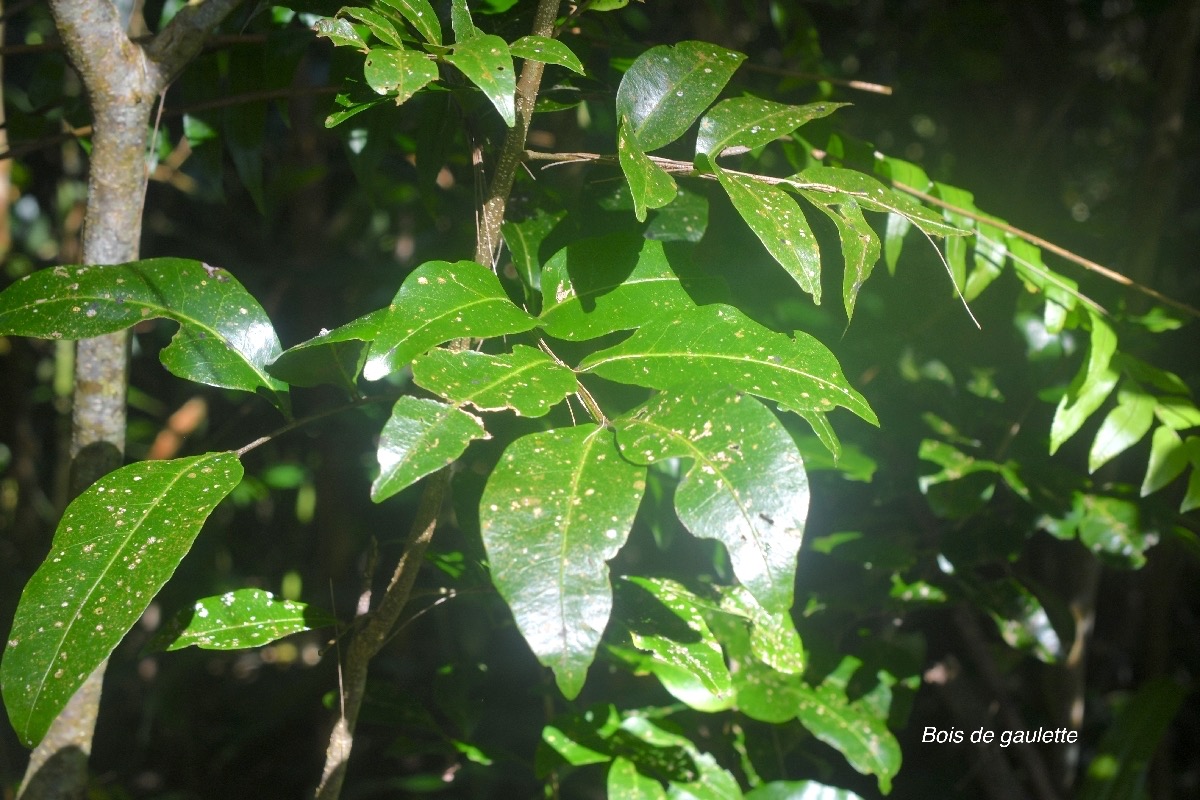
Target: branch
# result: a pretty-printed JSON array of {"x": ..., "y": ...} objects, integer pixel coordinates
[{"x": 183, "y": 37}]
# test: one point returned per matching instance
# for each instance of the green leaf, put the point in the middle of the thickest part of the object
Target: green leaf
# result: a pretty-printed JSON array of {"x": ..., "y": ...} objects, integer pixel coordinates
[
  {"x": 352, "y": 109},
  {"x": 421, "y": 437},
  {"x": 487, "y": 63},
  {"x": 593, "y": 287},
  {"x": 421, "y": 16},
  {"x": 225, "y": 338},
  {"x": 438, "y": 302},
  {"x": 1092, "y": 385},
  {"x": 115, "y": 546},
  {"x": 547, "y": 51},
  {"x": 649, "y": 184},
  {"x": 773, "y": 637},
  {"x": 527, "y": 380},
  {"x": 1179, "y": 413},
  {"x": 332, "y": 357},
  {"x": 991, "y": 251},
  {"x": 558, "y": 506},
  {"x": 1124, "y": 427},
  {"x": 461, "y": 22},
  {"x": 860, "y": 245},
  {"x": 666, "y": 88},
  {"x": 1168, "y": 458},
  {"x": 750, "y": 122},
  {"x": 379, "y": 25},
  {"x": 341, "y": 33},
  {"x": 524, "y": 240},
  {"x": 852, "y": 730},
  {"x": 684, "y": 219},
  {"x": 686, "y": 659},
  {"x": 956, "y": 246},
  {"x": 800, "y": 790},
  {"x": 957, "y": 465},
  {"x": 893, "y": 240},
  {"x": 238, "y": 620},
  {"x": 1191, "y": 499},
  {"x": 746, "y": 487},
  {"x": 401, "y": 71},
  {"x": 779, "y": 224},
  {"x": 719, "y": 345},
  {"x": 626, "y": 783},
  {"x": 871, "y": 195}
]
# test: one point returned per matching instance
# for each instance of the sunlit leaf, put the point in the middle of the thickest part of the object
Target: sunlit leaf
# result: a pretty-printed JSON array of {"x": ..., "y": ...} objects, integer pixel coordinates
[
  {"x": 1124, "y": 427},
  {"x": 115, "y": 547},
  {"x": 526, "y": 380},
  {"x": 487, "y": 63},
  {"x": 401, "y": 71},
  {"x": 421, "y": 16},
  {"x": 1168, "y": 458},
  {"x": 225, "y": 338},
  {"x": 746, "y": 487},
  {"x": 1179, "y": 413},
  {"x": 649, "y": 184},
  {"x": 238, "y": 620},
  {"x": 718, "y": 345},
  {"x": 624, "y": 782},
  {"x": 852, "y": 730},
  {"x": 800, "y": 790},
  {"x": 558, "y": 506},
  {"x": 438, "y": 302},
  {"x": 871, "y": 195},
  {"x": 547, "y": 51},
  {"x": 379, "y": 25},
  {"x": 420, "y": 437},
  {"x": 1092, "y": 385},
  {"x": 956, "y": 246},
  {"x": 340, "y": 32},
  {"x": 750, "y": 122},
  {"x": 773, "y": 637},
  {"x": 860, "y": 245},
  {"x": 777, "y": 221},
  {"x": 667, "y": 88}
]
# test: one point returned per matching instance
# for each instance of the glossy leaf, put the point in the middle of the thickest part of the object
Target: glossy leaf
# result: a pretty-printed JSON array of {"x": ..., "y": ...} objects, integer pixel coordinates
[
  {"x": 1092, "y": 385},
  {"x": 115, "y": 546},
  {"x": 707, "y": 779},
  {"x": 580, "y": 738},
  {"x": 800, "y": 790},
  {"x": 593, "y": 287},
  {"x": 719, "y": 345},
  {"x": 852, "y": 730},
  {"x": 871, "y": 195},
  {"x": 225, "y": 338},
  {"x": 624, "y": 782},
  {"x": 777, "y": 221},
  {"x": 1124, "y": 427},
  {"x": 750, "y": 122},
  {"x": 667, "y": 88},
  {"x": 547, "y": 51},
  {"x": 526, "y": 380},
  {"x": 1168, "y": 459},
  {"x": 460, "y": 20},
  {"x": 332, "y": 357},
  {"x": 686, "y": 659},
  {"x": 421, "y": 437},
  {"x": 746, "y": 487},
  {"x": 379, "y": 25},
  {"x": 238, "y": 620},
  {"x": 558, "y": 506},
  {"x": 421, "y": 16},
  {"x": 860, "y": 245},
  {"x": 524, "y": 240},
  {"x": 340, "y": 32},
  {"x": 438, "y": 302},
  {"x": 773, "y": 637},
  {"x": 487, "y": 63},
  {"x": 649, "y": 184},
  {"x": 401, "y": 71}
]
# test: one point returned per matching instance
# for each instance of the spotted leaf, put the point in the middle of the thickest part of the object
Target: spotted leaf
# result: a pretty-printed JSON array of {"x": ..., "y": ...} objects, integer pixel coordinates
[{"x": 238, "y": 620}]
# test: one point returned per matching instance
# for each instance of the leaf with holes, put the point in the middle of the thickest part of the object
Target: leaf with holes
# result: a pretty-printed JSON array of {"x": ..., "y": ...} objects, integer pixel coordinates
[
  {"x": 558, "y": 506},
  {"x": 401, "y": 71},
  {"x": 421, "y": 16},
  {"x": 746, "y": 487},
  {"x": 238, "y": 620},
  {"x": 593, "y": 287},
  {"x": 225, "y": 338},
  {"x": 115, "y": 546},
  {"x": 421, "y": 437},
  {"x": 718, "y": 345},
  {"x": 666, "y": 88},
  {"x": 547, "y": 51},
  {"x": 777, "y": 221},
  {"x": 340, "y": 32},
  {"x": 649, "y": 184},
  {"x": 526, "y": 380},
  {"x": 438, "y": 302},
  {"x": 488, "y": 64},
  {"x": 750, "y": 122}
]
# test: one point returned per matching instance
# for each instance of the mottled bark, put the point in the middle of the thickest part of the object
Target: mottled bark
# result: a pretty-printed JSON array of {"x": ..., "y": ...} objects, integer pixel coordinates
[{"x": 122, "y": 80}]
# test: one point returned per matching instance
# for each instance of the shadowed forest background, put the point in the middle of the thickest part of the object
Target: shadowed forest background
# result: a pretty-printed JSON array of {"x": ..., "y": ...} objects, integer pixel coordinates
[{"x": 1073, "y": 120}]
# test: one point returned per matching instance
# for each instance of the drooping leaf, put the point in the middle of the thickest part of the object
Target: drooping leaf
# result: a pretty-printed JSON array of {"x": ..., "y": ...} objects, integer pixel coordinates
[
  {"x": 649, "y": 184},
  {"x": 115, "y": 546},
  {"x": 340, "y": 32},
  {"x": 718, "y": 345},
  {"x": 526, "y": 380},
  {"x": 524, "y": 239},
  {"x": 1168, "y": 458},
  {"x": 332, "y": 357},
  {"x": 990, "y": 254},
  {"x": 421, "y": 16},
  {"x": 1191, "y": 499},
  {"x": 547, "y": 51},
  {"x": 438, "y": 302},
  {"x": 956, "y": 246},
  {"x": 421, "y": 437},
  {"x": 746, "y": 487},
  {"x": 593, "y": 287},
  {"x": 1092, "y": 385},
  {"x": 777, "y": 221},
  {"x": 487, "y": 63},
  {"x": 351, "y": 109},
  {"x": 1124, "y": 427},
  {"x": 238, "y": 620},
  {"x": 893, "y": 240},
  {"x": 401, "y": 71},
  {"x": 1021, "y": 618},
  {"x": 559, "y": 504},
  {"x": 860, "y": 245},
  {"x": 667, "y": 88},
  {"x": 750, "y": 122},
  {"x": 225, "y": 338},
  {"x": 871, "y": 195},
  {"x": 380, "y": 26}
]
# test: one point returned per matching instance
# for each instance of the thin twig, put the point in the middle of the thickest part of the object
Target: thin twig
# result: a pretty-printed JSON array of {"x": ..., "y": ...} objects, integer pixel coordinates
[
  {"x": 849, "y": 83},
  {"x": 299, "y": 423}
]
